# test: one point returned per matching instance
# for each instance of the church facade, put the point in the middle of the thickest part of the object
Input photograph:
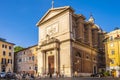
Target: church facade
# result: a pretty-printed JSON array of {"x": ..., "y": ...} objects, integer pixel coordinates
[{"x": 68, "y": 43}]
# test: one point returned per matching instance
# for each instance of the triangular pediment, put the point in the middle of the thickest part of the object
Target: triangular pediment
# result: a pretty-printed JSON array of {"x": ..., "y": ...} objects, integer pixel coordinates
[{"x": 51, "y": 13}]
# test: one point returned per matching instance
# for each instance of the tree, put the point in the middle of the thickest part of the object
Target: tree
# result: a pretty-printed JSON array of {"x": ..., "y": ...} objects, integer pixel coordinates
[
  {"x": 18, "y": 48},
  {"x": 116, "y": 28}
]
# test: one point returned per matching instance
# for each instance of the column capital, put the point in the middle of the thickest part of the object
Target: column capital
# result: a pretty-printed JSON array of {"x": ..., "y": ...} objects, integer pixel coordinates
[
  {"x": 43, "y": 51},
  {"x": 56, "y": 48}
]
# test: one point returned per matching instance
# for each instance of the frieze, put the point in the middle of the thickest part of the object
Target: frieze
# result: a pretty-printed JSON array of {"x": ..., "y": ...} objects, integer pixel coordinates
[
  {"x": 49, "y": 47},
  {"x": 49, "y": 43}
]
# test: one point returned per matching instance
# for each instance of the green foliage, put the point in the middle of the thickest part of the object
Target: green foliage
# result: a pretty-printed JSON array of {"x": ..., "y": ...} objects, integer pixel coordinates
[
  {"x": 116, "y": 28},
  {"x": 18, "y": 48},
  {"x": 106, "y": 73}
]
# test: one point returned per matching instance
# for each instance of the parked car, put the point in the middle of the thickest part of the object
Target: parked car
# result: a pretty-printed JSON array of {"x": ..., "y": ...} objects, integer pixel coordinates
[
  {"x": 97, "y": 75},
  {"x": 2, "y": 74},
  {"x": 10, "y": 75}
]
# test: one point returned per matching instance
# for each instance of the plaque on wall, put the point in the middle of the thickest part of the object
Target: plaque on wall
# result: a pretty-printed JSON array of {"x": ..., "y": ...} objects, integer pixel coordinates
[{"x": 50, "y": 30}]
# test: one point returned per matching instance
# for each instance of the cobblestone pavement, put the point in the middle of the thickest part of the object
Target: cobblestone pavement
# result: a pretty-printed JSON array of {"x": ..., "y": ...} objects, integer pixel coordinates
[{"x": 85, "y": 78}]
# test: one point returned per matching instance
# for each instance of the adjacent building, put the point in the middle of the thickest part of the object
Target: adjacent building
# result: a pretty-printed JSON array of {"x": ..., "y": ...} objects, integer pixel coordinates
[
  {"x": 112, "y": 50},
  {"x": 26, "y": 60},
  {"x": 68, "y": 43},
  {"x": 6, "y": 56},
  {"x": 101, "y": 51}
]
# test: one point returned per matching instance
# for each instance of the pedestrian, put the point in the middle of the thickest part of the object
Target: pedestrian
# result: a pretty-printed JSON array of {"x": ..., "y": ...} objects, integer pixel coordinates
[
  {"x": 19, "y": 77},
  {"x": 75, "y": 74},
  {"x": 27, "y": 77},
  {"x": 62, "y": 73},
  {"x": 50, "y": 75}
]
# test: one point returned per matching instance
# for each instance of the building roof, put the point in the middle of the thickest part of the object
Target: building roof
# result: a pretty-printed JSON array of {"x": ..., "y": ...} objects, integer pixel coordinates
[
  {"x": 115, "y": 31},
  {"x": 53, "y": 12},
  {"x": 27, "y": 48},
  {"x": 4, "y": 40}
]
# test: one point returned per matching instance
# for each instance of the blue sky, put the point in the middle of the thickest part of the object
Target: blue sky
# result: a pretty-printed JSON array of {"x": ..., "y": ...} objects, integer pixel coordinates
[{"x": 18, "y": 18}]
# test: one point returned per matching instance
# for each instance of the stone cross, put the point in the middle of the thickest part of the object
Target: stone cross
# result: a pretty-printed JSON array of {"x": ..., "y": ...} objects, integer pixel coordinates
[{"x": 52, "y": 3}]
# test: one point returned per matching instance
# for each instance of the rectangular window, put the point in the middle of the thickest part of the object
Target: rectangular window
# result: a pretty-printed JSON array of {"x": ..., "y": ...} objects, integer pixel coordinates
[
  {"x": 9, "y": 61},
  {"x": 29, "y": 67},
  {"x": 111, "y": 38},
  {"x": 25, "y": 59},
  {"x": 24, "y": 53},
  {"x": 4, "y": 53},
  {"x": 9, "y": 53},
  {"x": 3, "y": 61},
  {"x": 5, "y": 46},
  {"x": 10, "y": 47},
  {"x": 112, "y": 52},
  {"x": 20, "y": 60},
  {"x": 112, "y": 61},
  {"x": 33, "y": 58},
  {"x": 29, "y": 58},
  {"x": 2, "y": 45}
]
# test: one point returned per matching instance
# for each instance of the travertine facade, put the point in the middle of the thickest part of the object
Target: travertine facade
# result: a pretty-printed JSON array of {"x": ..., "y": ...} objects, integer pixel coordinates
[
  {"x": 6, "y": 56},
  {"x": 26, "y": 60},
  {"x": 67, "y": 43}
]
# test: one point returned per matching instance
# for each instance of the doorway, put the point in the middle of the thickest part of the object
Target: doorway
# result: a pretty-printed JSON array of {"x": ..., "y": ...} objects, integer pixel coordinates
[
  {"x": 94, "y": 69},
  {"x": 3, "y": 68},
  {"x": 51, "y": 64}
]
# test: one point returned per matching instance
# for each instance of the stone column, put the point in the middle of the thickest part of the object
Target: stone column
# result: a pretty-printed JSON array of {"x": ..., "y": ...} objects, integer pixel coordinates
[
  {"x": 80, "y": 33},
  {"x": 90, "y": 35},
  {"x": 44, "y": 62},
  {"x": 56, "y": 60}
]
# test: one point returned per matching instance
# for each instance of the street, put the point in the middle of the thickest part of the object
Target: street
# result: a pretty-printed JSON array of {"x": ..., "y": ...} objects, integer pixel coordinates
[
  {"x": 70, "y": 78},
  {"x": 80, "y": 78}
]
